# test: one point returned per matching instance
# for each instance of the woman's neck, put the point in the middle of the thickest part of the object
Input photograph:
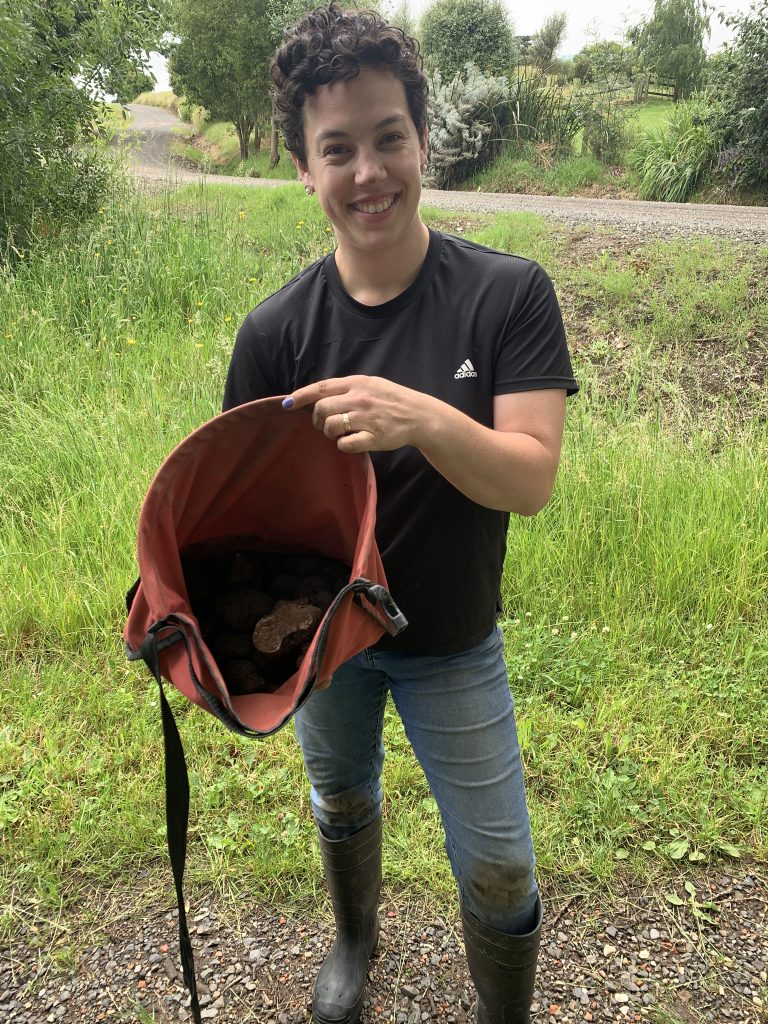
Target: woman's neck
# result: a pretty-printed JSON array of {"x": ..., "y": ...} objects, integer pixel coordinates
[{"x": 376, "y": 277}]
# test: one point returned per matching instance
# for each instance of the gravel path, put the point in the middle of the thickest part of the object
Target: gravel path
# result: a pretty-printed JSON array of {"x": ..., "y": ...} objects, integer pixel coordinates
[
  {"x": 634, "y": 959},
  {"x": 741, "y": 223},
  {"x": 151, "y": 131}
]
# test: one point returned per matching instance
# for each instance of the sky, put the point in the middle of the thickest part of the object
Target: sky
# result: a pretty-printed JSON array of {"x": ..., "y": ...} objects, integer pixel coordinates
[{"x": 605, "y": 18}]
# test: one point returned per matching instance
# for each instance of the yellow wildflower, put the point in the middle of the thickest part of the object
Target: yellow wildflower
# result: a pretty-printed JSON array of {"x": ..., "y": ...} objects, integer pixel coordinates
[
  {"x": 199, "y": 344},
  {"x": 131, "y": 341},
  {"x": 227, "y": 319},
  {"x": 251, "y": 280},
  {"x": 109, "y": 241},
  {"x": 198, "y": 304}
]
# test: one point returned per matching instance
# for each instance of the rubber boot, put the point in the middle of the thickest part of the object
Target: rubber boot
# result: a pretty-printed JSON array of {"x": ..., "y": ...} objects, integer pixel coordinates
[
  {"x": 353, "y": 873},
  {"x": 503, "y": 968}
]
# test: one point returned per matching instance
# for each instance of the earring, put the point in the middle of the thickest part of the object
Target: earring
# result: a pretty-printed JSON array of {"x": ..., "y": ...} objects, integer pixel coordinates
[{"x": 309, "y": 189}]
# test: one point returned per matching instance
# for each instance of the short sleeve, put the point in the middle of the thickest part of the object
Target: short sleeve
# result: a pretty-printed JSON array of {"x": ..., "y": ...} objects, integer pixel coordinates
[
  {"x": 253, "y": 371},
  {"x": 533, "y": 353}
]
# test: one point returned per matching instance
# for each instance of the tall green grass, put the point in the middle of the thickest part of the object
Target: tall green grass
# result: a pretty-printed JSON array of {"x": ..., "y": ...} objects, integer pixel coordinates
[
  {"x": 635, "y": 605},
  {"x": 674, "y": 159},
  {"x": 524, "y": 168}
]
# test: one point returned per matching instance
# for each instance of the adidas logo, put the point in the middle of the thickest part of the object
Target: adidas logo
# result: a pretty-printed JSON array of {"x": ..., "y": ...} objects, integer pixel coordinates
[{"x": 465, "y": 370}]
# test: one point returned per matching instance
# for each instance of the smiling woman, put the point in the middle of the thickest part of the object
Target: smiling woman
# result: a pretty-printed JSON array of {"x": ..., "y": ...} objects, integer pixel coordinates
[
  {"x": 364, "y": 161},
  {"x": 446, "y": 361}
]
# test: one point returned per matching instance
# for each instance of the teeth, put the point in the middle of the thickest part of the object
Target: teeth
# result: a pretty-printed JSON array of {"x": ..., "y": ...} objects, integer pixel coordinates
[{"x": 375, "y": 207}]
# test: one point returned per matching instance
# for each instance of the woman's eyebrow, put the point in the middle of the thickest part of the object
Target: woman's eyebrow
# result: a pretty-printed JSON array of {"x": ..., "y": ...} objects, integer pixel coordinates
[{"x": 338, "y": 133}]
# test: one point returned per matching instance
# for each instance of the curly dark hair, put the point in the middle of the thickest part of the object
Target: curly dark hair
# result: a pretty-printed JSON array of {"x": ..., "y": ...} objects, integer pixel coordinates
[{"x": 331, "y": 45}]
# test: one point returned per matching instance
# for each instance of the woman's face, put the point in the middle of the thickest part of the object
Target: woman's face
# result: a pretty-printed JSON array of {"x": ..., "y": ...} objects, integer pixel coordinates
[{"x": 364, "y": 159}]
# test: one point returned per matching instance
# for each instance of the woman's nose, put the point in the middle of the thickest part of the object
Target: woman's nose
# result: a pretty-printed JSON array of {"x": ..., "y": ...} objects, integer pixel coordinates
[{"x": 370, "y": 166}]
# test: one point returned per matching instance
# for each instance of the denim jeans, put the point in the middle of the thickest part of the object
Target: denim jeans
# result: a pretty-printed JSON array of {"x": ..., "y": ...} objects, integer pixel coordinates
[{"x": 458, "y": 715}]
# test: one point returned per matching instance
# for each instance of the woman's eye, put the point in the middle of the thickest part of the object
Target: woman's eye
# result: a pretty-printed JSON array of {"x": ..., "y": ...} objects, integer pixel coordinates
[{"x": 392, "y": 137}]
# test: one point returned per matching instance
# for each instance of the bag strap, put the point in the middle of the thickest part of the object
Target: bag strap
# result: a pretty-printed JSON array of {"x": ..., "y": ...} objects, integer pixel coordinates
[
  {"x": 176, "y": 776},
  {"x": 176, "y": 816}
]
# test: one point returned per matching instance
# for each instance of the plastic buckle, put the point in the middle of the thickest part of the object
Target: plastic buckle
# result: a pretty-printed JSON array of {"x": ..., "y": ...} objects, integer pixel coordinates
[{"x": 394, "y": 620}]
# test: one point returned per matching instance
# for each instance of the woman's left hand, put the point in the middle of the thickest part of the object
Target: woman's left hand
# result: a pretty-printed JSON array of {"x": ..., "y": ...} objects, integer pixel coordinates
[{"x": 365, "y": 414}]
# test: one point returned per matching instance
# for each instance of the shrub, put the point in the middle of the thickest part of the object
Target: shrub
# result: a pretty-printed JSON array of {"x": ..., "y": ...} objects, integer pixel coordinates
[
  {"x": 467, "y": 120},
  {"x": 674, "y": 159},
  {"x": 457, "y": 32},
  {"x": 541, "y": 112},
  {"x": 193, "y": 114},
  {"x": 742, "y": 89},
  {"x": 55, "y": 57},
  {"x": 604, "y": 120}
]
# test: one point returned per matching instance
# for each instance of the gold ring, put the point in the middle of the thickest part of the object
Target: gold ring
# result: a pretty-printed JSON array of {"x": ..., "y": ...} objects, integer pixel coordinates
[{"x": 347, "y": 424}]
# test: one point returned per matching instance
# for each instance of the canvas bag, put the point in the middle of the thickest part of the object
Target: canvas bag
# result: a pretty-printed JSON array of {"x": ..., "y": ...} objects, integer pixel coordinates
[{"x": 257, "y": 477}]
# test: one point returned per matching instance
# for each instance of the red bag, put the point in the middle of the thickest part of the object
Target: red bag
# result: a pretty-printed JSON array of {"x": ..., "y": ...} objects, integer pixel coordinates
[{"x": 259, "y": 477}]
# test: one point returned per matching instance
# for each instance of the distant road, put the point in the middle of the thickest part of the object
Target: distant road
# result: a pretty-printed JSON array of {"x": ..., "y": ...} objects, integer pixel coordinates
[{"x": 151, "y": 134}]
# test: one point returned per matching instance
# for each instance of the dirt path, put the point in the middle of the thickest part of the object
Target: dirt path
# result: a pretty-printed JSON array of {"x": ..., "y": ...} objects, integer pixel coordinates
[
  {"x": 633, "y": 958},
  {"x": 152, "y": 130}
]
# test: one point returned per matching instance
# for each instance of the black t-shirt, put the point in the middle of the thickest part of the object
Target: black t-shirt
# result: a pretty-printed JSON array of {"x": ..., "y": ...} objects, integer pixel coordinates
[{"x": 475, "y": 323}]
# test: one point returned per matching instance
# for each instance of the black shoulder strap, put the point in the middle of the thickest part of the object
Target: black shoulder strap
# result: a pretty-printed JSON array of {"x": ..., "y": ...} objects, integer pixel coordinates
[{"x": 176, "y": 816}]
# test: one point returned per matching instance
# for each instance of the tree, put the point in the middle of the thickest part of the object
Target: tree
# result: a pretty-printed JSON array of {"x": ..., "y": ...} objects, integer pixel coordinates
[
  {"x": 548, "y": 41},
  {"x": 402, "y": 16},
  {"x": 742, "y": 90},
  {"x": 56, "y": 57},
  {"x": 221, "y": 61},
  {"x": 457, "y": 32},
  {"x": 126, "y": 83},
  {"x": 602, "y": 60},
  {"x": 671, "y": 44}
]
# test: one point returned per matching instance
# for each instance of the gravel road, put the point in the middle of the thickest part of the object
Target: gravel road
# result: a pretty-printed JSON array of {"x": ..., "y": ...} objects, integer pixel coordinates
[
  {"x": 151, "y": 130},
  {"x": 634, "y": 958}
]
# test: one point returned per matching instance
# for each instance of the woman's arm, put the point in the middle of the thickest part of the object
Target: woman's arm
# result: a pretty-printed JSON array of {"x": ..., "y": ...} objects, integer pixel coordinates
[{"x": 510, "y": 467}]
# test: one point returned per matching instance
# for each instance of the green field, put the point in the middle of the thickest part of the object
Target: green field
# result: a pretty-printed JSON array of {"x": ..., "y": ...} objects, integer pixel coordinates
[{"x": 636, "y": 617}]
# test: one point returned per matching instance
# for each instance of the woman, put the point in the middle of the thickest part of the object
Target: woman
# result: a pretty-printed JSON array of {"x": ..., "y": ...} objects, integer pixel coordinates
[{"x": 447, "y": 362}]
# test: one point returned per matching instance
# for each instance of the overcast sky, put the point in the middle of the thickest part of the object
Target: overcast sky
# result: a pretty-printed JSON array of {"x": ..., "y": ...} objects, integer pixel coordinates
[{"x": 605, "y": 18}]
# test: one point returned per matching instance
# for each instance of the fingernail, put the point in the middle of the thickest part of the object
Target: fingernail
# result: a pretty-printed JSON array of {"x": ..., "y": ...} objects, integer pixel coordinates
[{"x": 288, "y": 403}]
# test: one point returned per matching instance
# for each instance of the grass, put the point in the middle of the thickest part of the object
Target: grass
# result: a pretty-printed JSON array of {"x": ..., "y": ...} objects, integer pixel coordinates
[
  {"x": 533, "y": 170},
  {"x": 216, "y": 149},
  {"x": 635, "y": 604},
  {"x": 166, "y": 100},
  {"x": 650, "y": 114}
]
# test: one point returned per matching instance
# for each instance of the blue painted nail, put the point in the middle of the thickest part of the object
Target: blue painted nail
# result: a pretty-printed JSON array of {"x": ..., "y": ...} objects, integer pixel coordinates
[{"x": 288, "y": 403}]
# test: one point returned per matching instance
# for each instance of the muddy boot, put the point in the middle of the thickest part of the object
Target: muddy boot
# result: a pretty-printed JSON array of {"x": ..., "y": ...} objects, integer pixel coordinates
[
  {"x": 503, "y": 968},
  {"x": 353, "y": 873}
]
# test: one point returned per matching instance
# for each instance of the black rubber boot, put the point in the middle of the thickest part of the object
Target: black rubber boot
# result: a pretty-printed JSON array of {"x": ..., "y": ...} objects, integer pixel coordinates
[
  {"x": 503, "y": 968},
  {"x": 353, "y": 873}
]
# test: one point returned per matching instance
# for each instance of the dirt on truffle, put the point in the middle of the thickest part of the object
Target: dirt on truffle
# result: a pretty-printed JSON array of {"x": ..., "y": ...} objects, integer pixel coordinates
[{"x": 258, "y": 611}]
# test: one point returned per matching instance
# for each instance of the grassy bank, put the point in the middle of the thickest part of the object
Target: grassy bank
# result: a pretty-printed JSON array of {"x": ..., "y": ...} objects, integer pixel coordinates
[
  {"x": 636, "y": 618},
  {"x": 215, "y": 149}
]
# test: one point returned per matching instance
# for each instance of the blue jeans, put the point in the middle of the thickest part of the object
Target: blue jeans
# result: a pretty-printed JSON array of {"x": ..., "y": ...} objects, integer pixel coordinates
[{"x": 458, "y": 715}]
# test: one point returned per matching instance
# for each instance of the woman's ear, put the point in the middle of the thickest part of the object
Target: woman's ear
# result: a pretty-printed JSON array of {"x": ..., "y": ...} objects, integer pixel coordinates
[
  {"x": 302, "y": 171},
  {"x": 424, "y": 148}
]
